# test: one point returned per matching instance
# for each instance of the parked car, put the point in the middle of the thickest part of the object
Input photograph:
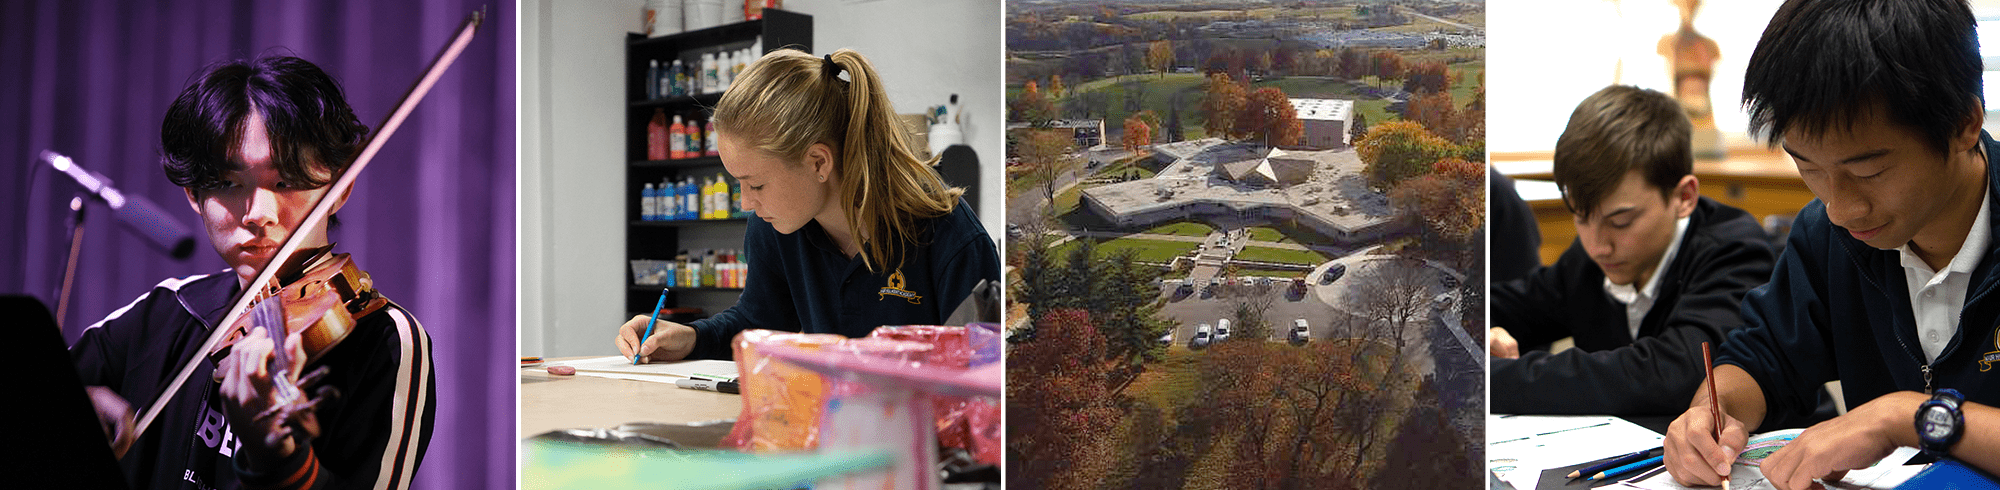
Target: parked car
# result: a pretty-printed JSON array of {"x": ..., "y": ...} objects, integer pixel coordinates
[
  {"x": 1167, "y": 339},
  {"x": 1222, "y": 330},
  {"x": 1300, "y": 332},
  {"x": 1201, "y": 337},
  {"x": 1333, "y": 274},
  {"x": 1449, "y": 281}
]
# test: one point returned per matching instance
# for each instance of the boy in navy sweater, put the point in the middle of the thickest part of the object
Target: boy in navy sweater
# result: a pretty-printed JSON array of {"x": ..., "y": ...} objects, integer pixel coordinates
[{"x": 1887, "y": 280}]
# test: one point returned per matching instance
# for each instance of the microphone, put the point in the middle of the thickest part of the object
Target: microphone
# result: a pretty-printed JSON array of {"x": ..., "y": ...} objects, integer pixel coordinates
[{"x": 136, "y": 212}]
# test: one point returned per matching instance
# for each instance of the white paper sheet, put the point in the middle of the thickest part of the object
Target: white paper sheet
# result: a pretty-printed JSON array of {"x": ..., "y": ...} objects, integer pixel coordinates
[
  {"x": 1524, "y": 445},
  {"x": 1885, "y": 474},
  {"x": 617, "y": 367}
]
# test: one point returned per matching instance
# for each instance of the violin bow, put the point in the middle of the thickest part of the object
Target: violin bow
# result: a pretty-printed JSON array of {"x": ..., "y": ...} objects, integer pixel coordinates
[{"x": 320, "y": 210}]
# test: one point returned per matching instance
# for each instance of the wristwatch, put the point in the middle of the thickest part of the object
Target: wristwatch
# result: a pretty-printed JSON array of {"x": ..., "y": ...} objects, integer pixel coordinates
[{"x": 1940, "y": 422}]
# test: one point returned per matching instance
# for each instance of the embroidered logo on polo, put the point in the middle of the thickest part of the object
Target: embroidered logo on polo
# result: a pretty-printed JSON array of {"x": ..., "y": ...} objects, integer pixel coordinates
[
  {"x": 895, "y": 288},
  {"x": 1987, "y": 361}
]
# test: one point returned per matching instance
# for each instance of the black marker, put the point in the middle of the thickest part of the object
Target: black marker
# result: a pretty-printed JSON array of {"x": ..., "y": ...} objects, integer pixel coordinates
[{"x": 707, "y": 385}]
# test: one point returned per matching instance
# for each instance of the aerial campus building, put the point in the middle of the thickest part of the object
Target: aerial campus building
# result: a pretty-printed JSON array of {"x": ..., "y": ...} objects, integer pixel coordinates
[{"x": 1325, "y": 191}]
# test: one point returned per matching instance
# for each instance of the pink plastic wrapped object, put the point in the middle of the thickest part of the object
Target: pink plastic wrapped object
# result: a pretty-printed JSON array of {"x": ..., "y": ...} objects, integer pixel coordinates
[
  {"x": 878, "y": 400},
  {"x": 974, "y": 345},
  {"x": 983, "y": 413},
  {"x": 783, "y": 404}
]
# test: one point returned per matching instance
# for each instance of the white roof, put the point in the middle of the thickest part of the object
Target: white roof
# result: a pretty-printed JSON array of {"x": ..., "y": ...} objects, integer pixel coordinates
[{"x": 1323, "y": 109}]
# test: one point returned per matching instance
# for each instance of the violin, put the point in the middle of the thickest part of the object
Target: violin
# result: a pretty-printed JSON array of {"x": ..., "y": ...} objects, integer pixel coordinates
[
  {"x": 317, "y": 296},
  {"x": 325, "y": 293}
]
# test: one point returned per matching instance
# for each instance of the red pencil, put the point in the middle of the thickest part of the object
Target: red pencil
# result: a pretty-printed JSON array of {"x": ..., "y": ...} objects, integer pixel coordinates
[{"x": 1714, "y": 404}]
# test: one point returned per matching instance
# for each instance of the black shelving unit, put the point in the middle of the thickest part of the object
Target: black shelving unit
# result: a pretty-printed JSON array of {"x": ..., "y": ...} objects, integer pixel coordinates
[{"x": 661, "y": 240}]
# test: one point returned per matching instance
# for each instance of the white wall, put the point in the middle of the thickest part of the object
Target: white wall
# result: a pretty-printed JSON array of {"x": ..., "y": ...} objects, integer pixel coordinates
[
  {"x": 572, "y": 174},
  {"x": 572, "y": 126}
]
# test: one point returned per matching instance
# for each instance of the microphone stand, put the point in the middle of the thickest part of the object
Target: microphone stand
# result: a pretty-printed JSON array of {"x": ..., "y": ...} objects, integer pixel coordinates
[{"x": 69, "y": 269}]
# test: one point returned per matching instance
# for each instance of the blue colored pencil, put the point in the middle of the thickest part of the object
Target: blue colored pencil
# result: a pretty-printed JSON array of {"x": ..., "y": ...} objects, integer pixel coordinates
[
  {"x": 1621, "y": 460},
  {"x": 649, "y": 325},
  {"x": 1629, "y": 468}
]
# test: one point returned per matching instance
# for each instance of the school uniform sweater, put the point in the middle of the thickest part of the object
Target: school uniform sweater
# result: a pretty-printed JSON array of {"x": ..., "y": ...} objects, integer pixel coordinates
[
  {"x": 1720, "y": 258},
  {"x": 1838, "y": 309},
  {"x": 801, "y": 282}
]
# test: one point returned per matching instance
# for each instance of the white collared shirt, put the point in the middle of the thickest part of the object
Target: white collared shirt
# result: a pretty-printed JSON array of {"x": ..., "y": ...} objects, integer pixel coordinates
[
  {"x": 1640, "y": 300},
  {"x": 1937, "y": 297}
]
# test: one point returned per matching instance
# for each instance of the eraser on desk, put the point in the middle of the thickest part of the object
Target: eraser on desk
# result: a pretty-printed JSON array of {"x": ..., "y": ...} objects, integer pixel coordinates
[{"x": 562, "y": 370}]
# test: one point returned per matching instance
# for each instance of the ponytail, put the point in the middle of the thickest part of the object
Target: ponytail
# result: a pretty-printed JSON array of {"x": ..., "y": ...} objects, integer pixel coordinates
[{"x": 788, "y": 100}]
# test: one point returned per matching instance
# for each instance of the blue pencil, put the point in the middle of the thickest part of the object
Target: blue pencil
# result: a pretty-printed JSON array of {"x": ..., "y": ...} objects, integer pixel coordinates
[
  {"x": 1621, "y": 460},
  {"x": 649, "y": 325},
  {"x": 1629, "y": 468}
]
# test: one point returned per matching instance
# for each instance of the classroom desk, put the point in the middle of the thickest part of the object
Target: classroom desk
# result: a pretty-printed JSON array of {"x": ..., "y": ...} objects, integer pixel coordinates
[
  {"x": 550, "y": 402},
  {"x": 1761, "y": 181},
  {"x": 1520, "y": 448}
]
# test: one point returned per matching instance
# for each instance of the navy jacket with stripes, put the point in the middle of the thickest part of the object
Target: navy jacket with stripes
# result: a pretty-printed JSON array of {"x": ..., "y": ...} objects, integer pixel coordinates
[{"x": 372, "y": 436}]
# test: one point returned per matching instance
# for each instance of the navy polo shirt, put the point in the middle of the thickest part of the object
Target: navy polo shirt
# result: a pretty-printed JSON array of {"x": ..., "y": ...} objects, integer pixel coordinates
[{"x": 802, "y": 283}]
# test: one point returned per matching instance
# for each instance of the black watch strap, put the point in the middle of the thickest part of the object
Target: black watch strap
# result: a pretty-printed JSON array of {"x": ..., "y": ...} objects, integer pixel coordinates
[{"x": 1941, "y": 422}]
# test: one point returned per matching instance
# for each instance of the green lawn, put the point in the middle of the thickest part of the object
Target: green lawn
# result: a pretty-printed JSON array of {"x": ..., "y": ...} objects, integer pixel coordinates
[
  {"x": 1149, "y": 250},
  {"x": 1269, "y": 234},
  {"x": 1168, "y": 384},
  {"x": 1068, "y": 200},
  {"x": 1279, "y": 255},
  {"x": 1182, "y": 228},
  {"x": 1159, "y": 93}
]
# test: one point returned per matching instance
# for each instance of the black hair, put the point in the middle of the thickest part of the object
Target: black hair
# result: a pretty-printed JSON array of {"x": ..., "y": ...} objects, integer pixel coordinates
[
  {"x": 1619, "y": 130},
  {"x": 314, "y": 133},
  {"x": 1820, "y": 62}
]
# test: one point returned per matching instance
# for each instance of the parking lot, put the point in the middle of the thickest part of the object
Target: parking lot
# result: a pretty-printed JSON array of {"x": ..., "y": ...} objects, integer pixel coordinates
[{"x": 1331, "y": 310}]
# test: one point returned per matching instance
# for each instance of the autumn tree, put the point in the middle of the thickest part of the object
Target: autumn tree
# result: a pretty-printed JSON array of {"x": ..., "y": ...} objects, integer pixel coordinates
[
  {"x": 1217, "y": 62},
  {"x": 1353, "y": 63},
  {"x": 1056, "y": 86},
  {"x": 1033, "y": 107},
  {"x": 1398, "y": 150},
  {"x": 1267, "y": 115},
  {"x": 1063, "y": 405},
  {"x": 1385, "y": 66},
  {"x": 1225, "y": 98},
  {"x": 1426, "y": 77},
  {"x": 1472, "y": 126},
  {"x": 1137, "y": 134},
  {"x": 1160, "y": 56},
  {"x": 1449, "y": 201},
  {"x": 1435, "y": 111},
  {"x": 1046, "y": 153}
]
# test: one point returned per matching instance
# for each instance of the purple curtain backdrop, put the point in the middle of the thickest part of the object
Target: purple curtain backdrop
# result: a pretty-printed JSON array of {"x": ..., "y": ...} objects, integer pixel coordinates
[{"x": 432, "y": 220}]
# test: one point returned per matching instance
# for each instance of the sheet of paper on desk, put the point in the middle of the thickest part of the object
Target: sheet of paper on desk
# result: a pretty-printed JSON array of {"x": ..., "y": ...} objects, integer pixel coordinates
[
  {"x": 659, "y": 372},
  {"x": 1884, "y": 475},
  {"x": 1524, "y": 445}
]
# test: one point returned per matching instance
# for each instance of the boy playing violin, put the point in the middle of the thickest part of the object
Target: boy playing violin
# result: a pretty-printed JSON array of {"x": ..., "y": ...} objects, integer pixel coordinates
[{"x": 255, "y": 144}]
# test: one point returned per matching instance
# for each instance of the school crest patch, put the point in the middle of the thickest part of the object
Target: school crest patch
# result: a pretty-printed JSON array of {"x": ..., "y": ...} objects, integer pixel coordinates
[
  {"x": 1987, "y": 361},
  {"x": 895, "y": 288}
]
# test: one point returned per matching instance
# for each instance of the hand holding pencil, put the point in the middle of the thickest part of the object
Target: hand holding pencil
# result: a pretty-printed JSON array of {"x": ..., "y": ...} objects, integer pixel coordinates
[
  {"x": 645, "y": 337},
  {"x": 1702, "y": 444}
]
